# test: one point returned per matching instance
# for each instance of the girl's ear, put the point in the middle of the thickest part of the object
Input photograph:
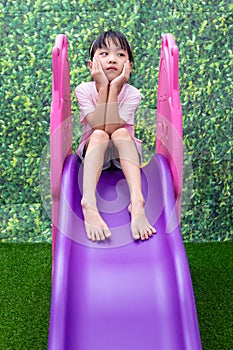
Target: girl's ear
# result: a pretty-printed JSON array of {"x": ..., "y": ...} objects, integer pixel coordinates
[
  {"x": 130, "y": 65},
  {"x": 90, "y": 63}
]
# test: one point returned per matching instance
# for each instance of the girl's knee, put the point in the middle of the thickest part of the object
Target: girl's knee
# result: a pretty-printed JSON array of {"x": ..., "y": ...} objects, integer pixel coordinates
[
  {"x": 99, "y": 136},
  {"x": 121, "y": 133}
]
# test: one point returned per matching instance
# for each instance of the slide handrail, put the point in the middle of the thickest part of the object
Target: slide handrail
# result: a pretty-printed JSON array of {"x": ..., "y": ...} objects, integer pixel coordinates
[
  {"x": 60, "y": 125},
  {"x": 169, "y": 141}
]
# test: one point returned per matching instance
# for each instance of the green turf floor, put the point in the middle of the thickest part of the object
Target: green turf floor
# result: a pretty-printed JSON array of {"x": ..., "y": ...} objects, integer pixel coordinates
[{"x": 25, "y": 289}]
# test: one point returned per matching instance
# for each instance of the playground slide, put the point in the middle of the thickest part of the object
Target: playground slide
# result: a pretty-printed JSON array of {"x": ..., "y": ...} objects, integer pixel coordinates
[{"x": 120, "y": 294}]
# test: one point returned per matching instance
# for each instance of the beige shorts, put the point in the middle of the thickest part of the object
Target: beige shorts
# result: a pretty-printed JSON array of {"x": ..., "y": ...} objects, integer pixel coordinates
[{"x": 111, "y": 157}]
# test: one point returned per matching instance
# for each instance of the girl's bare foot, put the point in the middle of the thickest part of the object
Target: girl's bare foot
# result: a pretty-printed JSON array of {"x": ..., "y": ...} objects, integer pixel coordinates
[
  {"x": 96, "y": 228},
  {"x": 140, "y": 226}
]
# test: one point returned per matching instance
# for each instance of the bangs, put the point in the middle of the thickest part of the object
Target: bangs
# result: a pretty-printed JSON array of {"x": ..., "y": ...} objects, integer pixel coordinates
[
  {"x": 117, "y": 41},
  {"x": 106, "y": 38}
]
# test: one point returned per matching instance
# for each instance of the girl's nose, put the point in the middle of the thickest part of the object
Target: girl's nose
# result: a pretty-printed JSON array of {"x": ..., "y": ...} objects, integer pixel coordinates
[{"x": 111, "y": 58}]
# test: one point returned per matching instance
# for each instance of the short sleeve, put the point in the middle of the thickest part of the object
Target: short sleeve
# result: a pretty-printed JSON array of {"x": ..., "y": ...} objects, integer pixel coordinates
[
  {"x": 129, "y": 104},
  {"x": 85, "y": 100}
]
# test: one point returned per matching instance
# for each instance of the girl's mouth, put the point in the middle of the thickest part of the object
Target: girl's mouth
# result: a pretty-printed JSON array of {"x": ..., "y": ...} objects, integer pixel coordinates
[{"x": 111, "y": 68}]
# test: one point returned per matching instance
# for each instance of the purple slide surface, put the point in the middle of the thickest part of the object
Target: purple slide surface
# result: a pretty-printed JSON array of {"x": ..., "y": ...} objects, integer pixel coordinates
[{"x": 121, "y": 294}]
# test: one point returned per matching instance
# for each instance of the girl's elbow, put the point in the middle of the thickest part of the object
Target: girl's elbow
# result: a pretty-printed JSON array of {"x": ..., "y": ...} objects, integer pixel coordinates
[{"x": 110, "y": 128}]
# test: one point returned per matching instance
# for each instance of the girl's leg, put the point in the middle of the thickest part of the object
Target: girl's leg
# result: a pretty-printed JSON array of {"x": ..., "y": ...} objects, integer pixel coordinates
[
  {"x": 95, "y": 226},
  {"x": 129, "y": 160}
]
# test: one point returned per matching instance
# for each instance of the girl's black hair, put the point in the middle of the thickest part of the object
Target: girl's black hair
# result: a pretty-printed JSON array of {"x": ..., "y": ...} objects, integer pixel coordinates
[{"x": 116, "y": 37}]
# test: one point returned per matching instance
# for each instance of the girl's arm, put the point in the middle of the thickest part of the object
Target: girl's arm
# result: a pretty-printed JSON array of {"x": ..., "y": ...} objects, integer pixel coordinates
[
  {"x": 96, "y": 119},
  {"x": 113, "y": 120}
]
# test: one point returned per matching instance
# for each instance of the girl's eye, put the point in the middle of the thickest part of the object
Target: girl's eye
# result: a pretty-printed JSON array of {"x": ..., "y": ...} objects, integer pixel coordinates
[
  {"x": 103, "y": 53},
  {"x": 121, "y": 54}
]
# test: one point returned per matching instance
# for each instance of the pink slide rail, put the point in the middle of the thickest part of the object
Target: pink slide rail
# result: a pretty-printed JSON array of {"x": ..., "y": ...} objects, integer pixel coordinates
[
  {"x": 169, "y": 141},
  {"x": 60, "y": 125},
  {"x": 168, "y": 120}
]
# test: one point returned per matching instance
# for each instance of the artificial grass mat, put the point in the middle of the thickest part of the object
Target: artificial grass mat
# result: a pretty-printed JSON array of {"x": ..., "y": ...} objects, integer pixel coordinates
[{"x": 25, "y": 277}]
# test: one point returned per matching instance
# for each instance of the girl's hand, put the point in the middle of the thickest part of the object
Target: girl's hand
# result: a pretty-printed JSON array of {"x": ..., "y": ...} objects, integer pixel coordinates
[
  {"x": 122, "y": 78},
  {"x": 98, "y": 74}
]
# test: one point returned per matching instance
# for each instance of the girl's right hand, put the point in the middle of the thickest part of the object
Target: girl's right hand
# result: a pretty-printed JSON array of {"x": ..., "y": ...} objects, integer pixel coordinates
[{"x": 98, "y": 74}]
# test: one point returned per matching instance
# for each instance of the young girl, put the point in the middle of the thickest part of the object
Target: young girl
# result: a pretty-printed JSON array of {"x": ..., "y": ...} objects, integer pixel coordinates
[{"x": 107, "y": 106}]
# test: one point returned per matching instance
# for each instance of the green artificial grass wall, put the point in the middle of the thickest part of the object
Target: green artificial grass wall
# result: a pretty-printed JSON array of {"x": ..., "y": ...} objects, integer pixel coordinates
[
  {"x": 25, "y": 279},
  {"x": 203, "y": 33}
]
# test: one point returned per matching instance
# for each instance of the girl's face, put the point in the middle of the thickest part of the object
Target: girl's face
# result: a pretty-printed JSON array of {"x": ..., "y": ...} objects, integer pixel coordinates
[{"x": 112, "y": 59}]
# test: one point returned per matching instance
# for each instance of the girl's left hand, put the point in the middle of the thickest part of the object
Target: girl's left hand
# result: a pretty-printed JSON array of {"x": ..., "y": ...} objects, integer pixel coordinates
[{"x": 123, "y": 77}]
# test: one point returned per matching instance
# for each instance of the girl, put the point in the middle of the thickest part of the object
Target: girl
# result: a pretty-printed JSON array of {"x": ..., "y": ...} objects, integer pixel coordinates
[{"x": 107, "y": 105}]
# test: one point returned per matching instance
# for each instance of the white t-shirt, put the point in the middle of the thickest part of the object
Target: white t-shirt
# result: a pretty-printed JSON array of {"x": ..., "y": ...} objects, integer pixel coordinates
[{"x": 128, "y": 100}]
